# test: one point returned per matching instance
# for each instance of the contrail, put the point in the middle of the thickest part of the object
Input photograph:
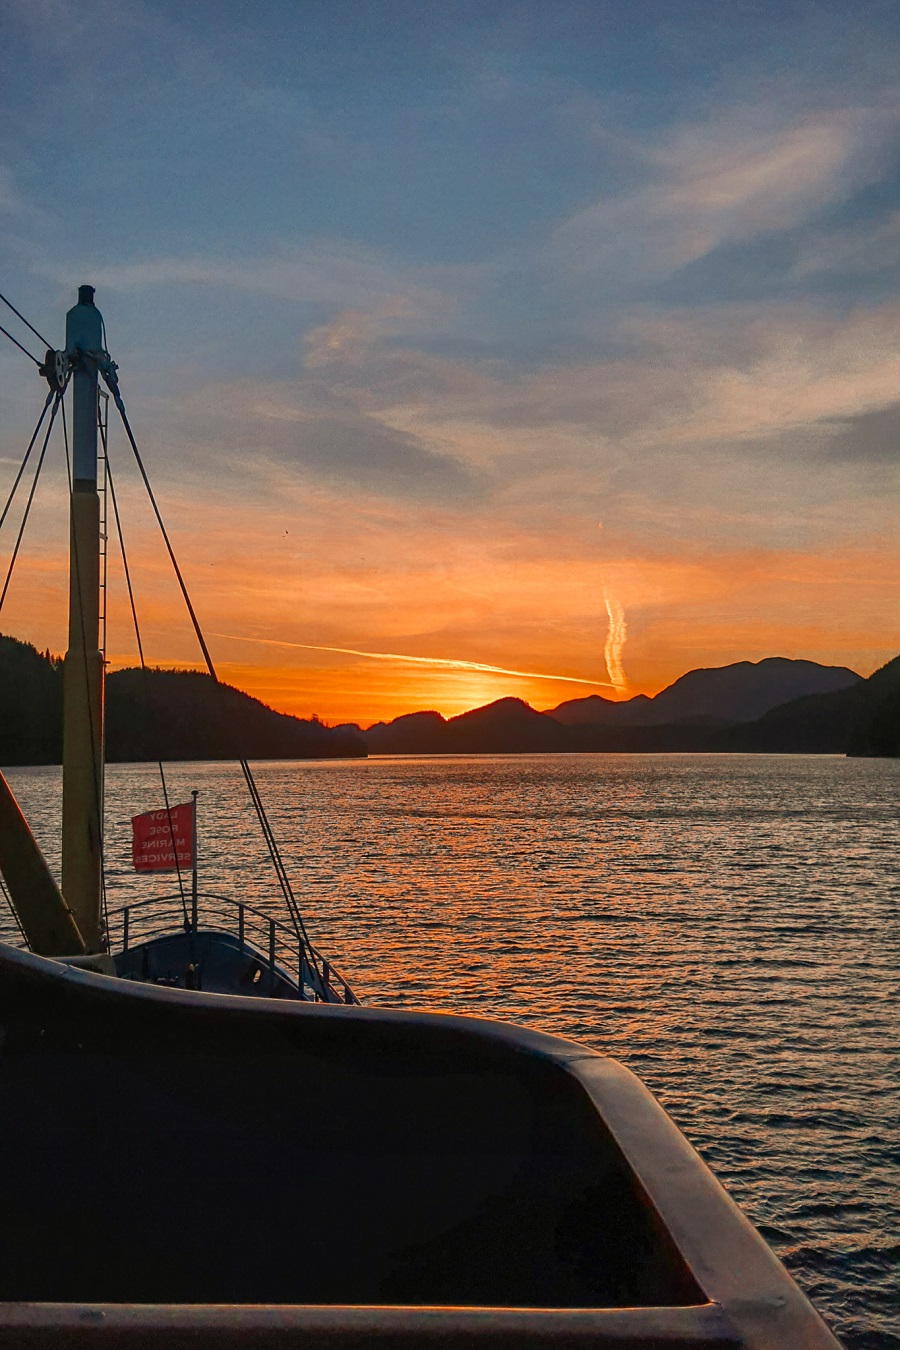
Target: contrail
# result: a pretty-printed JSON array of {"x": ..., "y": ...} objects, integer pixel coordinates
[
  {"x": 615, "y": 642},
  {"x": 439, "y": 662}
]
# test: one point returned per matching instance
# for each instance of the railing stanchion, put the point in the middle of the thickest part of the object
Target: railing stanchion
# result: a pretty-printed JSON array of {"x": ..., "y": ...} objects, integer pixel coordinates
[
  {"x": 154, "y": 919},
  {"x": 195, "y": 794}
]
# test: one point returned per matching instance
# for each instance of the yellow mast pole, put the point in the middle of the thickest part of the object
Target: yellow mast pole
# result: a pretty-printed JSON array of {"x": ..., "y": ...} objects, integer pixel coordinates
[{"x": 82, "y": 821}]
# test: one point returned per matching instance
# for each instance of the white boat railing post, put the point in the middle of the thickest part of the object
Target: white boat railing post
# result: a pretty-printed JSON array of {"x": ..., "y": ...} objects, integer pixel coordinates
[{"x": 195, "y": 794}]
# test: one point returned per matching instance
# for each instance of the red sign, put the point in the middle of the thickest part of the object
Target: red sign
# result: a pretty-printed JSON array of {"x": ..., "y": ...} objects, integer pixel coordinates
[{"x": 153, "y": 835}]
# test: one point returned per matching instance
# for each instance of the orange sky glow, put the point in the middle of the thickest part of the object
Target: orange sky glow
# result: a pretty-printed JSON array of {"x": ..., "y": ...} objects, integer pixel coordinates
[
  {"x": 271, "y": 596},
  {"x": 386, "y": 496}
]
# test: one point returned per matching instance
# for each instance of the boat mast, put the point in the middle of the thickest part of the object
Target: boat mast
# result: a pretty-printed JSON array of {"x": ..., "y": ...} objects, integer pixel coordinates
[{"x": 82, "y": 820}]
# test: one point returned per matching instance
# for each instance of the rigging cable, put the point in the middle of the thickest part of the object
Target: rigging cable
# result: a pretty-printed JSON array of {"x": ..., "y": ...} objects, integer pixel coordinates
[
  {"x": 9, "y": 501},
  {"x": 9, "y": 305},
  {"x": 284, "y": 882},
  {"x": 7, "y": 333},
  {"x": 144, "y": 683},
  {"x": 34, "y": 483},
  {"x": 15, "y": 913},
  {"x": 97, "y": 769},
  {"x": 34, "y": 436}
]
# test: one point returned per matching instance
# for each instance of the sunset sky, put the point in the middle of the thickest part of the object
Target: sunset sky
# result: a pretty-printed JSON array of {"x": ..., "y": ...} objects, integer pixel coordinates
[{"x": 473, "y": 348}]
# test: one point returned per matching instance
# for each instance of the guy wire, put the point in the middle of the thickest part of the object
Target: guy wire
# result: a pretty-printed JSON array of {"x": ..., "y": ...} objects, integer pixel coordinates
[
  {"x": 10, "y": 305},
  {"x": 144, "y": 685}
]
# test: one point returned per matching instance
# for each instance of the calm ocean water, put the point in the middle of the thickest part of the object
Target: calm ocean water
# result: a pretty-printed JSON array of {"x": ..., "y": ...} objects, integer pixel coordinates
[{"x": 725, "y": 925}]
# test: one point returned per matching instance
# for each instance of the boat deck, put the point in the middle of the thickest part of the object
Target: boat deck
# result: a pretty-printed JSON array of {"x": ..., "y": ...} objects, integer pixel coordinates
[
  {"x": 180, "y": 1168},
  {"x": 214, "y": 943}
]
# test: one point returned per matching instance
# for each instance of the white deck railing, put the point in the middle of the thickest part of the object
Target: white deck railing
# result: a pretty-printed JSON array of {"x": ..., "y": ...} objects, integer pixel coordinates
[{"x": 277, "y": 941}]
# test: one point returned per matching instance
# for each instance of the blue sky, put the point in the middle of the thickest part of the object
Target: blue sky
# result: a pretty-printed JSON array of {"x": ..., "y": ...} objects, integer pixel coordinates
[{"x": 442, "y": 287}]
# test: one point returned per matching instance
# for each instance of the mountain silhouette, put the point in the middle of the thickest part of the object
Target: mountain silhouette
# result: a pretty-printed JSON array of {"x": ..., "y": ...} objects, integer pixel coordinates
[
  {"x": 879, "y": 734},
  {"x": 509, "y": 725},
  {"x": 419, "y": 733},
  {"x": 859, "y": 717},
  {"x": 741, "y": 692},
  {"x": 183, "y": 715},
  {"x": 845, "y": 721},
  {"x": 157, "y": 714}
]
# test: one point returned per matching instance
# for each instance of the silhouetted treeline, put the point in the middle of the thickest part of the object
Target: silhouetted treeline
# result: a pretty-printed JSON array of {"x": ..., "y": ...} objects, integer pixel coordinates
[
  {"x": 157, "y": 714},
  {"x": 184, "y": 715},
  {"x": 877, "y": 732},
  {"x": 840, "y": 723},
  {"x": 30, "y": 704}
]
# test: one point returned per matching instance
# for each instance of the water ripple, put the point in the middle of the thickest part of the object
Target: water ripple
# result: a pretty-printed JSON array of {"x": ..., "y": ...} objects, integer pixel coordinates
[{"x": 726, "y": 925}]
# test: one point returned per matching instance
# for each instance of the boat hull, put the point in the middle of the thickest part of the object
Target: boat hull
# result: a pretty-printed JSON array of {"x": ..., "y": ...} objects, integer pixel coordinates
[{"x": 190, "y": 1167}]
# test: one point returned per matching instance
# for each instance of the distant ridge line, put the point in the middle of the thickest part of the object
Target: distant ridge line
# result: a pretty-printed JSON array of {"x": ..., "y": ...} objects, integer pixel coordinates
[
  {"x": 708, "y": 710},
  {"x": 776, "y": 705},
  {"x": 170, "y": 715}
]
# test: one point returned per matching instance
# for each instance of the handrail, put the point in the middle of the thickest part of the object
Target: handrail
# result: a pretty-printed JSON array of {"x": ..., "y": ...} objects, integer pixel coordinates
[
  {"x": 278, "y": 942},
  {"x": 204, "y": 895}
]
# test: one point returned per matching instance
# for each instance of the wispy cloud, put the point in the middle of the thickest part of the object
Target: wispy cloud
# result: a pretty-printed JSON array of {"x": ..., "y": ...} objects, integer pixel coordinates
[
  {"x": 615, "y": 642},
  {"x": 435, "y": 662},
  {"x": 729, "y": 180},
  {"x": 392, "y": 404},
  {"x": 361, "y": 281}
]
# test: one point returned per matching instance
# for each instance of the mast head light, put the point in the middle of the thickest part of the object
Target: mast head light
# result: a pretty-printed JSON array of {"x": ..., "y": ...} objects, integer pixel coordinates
[{"x": 85, "y": 295}]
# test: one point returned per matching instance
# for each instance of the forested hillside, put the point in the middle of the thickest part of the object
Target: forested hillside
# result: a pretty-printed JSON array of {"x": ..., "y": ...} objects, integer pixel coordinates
[{"x": 155, "y": 714}]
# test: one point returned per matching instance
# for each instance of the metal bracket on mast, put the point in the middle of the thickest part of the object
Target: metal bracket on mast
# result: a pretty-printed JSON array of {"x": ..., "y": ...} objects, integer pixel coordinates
[
  {"x": 59, "y": 365},
  {"x": 55, "y": 370}
]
